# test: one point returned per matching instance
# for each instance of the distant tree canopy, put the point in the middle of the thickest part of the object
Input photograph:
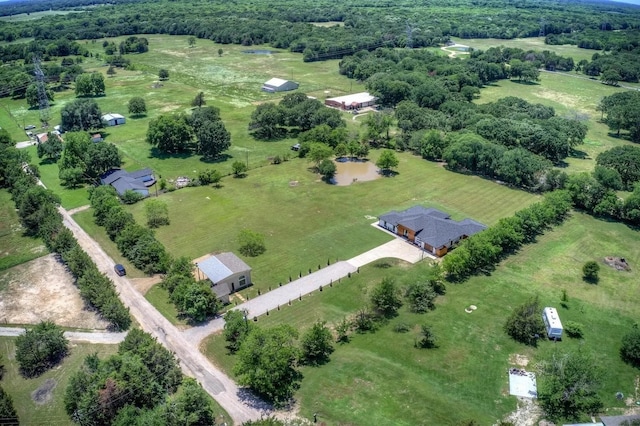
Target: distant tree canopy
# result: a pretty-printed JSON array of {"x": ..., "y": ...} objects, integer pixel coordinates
[
  {"x": 294, "y": 110},
  {"x": 137, "y": 106},
  {"x": 84, "y": 161},
  {"x": 625, "y": 160},
  {"x": 40, "y": 348},
  {"x": 90, "y": 84},
  {"x": 621, "y": 111}
]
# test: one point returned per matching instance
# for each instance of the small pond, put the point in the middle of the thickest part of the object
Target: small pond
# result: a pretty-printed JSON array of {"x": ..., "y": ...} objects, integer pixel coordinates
[
  {"x": 259, "y": 52},
  {"x": 352, "y": 171}
]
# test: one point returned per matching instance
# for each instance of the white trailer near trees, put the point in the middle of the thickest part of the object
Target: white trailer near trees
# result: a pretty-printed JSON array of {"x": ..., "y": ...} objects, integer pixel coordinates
[{"x": 552, "y": 323}]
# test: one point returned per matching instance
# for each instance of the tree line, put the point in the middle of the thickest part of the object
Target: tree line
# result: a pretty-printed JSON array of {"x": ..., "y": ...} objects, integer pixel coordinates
[{"x": 39, "y": 215}]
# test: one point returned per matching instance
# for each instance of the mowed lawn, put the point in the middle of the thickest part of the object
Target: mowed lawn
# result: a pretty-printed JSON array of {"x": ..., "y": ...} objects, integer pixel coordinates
[
  {"x": 380, "y": 378},
  {"x": 307, "y": 222},
  {"x": 21, "y": 389},
  {"x": 15, "y": 247}
]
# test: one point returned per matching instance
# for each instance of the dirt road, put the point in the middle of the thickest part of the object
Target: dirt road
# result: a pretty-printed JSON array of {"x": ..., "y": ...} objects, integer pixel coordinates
[
  {"x": 238, "y": 404},
  {"x": 74, "y": 336}
]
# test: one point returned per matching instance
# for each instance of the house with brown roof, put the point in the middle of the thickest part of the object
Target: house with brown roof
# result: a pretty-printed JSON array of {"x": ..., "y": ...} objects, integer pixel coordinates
[
  {"x": 428, "y": 228},
  {"x": 227, "y": 273}
]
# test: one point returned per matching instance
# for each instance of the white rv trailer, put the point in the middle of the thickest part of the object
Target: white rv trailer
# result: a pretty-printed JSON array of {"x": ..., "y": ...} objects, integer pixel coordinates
[{"x": 552, "y": 323}]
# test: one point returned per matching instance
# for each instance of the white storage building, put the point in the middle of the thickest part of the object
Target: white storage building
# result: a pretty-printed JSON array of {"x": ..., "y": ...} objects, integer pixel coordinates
[
  {"x": 279, "y": 85},
  {"x": 113, "y": 119}
]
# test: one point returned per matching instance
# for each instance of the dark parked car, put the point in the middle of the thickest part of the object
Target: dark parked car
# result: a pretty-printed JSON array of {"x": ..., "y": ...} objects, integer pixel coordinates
[{"x": 120, "y": 269}]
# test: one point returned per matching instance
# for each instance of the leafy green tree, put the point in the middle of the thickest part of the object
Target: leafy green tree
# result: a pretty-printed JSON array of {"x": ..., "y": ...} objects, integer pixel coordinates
[
  {"x": 378, "y": 125},
  {"x": 387, "y": 161},
  {"x": 199, "y": 100},
  {"x": 267, "y": 363},
  {"x": 266, "y": 121},
  {"x": 111, "y": 71},
  {"x": 192, "y": 405},
  {"x": 34, "y": 206},
  {"x": 525, "y": 323},
  {"x": 213, "y": 139},
  {"x": 630, "y": 349},
  {"x": 104, "y": 201},
  {"x": 196, "y": 300},
  {"x": 625, "y": 160},
  {"x": 427, "y": 339},
  {"x": 220, "y": 52},
  {"x": 239, "y": 169},
  {"x": 157, "y": 213},
  {"x": 421, "y": 296},
  {"x": 99, "y": 159},
  {"x": 90, "y": 84},
  {"x": 170, "y": 133},
  {"x": 318, "y": 152},
  {"x": 137, "y": 106},
  {"x": 327, "y": 169},
  {"x": 251, "y": 243},
  {"x": 201, "y": 116},
  {"x": 40, "y": 348},
  {"x": 32, "y": 95},
  {"x": 163, "y": 74},
  {"x": 52, "y": 148},
  {"x": 8, "y": 413},
  {"x": 385, "y": 298},
  {"x": 81, "y": 114},
  {"x": 316, "y": 345},
  {"x": 609, "y": 178},
  {"x": 568, "y": 386},
  {"x": 192, "y": 41},
  {"x": 590, "y": 271},
  {"x": 236, "y": 329}
]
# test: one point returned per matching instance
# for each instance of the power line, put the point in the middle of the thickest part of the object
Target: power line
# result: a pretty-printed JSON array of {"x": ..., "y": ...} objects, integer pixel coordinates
[{"x": 43, "y": 99}]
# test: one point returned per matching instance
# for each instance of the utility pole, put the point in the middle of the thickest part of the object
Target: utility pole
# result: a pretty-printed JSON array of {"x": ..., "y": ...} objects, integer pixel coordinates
[{"x": 43, "y": 99}]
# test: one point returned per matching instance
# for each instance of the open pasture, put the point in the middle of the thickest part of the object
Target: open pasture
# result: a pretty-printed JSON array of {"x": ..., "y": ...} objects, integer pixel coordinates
[
  {"x": 307, "y": 222},
  {"x": 380, "y": 378}
]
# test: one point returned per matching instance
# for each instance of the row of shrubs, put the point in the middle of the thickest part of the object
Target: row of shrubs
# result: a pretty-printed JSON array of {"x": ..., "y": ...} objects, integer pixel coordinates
[
  {"x": 136, "y": 243},
  {"x": 482, "y": 251},
  {"x": 38, "y": 211}
]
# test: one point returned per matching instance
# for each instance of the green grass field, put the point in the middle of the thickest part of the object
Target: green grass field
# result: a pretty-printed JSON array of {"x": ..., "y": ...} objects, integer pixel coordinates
[
  {"x": 21, "y": 389},
  {"x": 380, "y": 378},
  {"x": 312, "y": 222},
  {"x": 34, "y": 15},
  {"x": 15, "y": 247}
]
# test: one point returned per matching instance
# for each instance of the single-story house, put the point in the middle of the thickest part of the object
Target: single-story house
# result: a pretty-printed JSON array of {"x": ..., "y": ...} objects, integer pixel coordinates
[
  {"x": 42, "y": 137},
  {"x": 430, "y": 229},
  {"x": 227, "y": 273},
  {"x": 349, "y": 102},
  {"x": 113, "y": 119},
  {"x": 279, "y": 85},
  {"x": 122, "y": 180},
  {"x": 96, "y": 138}
]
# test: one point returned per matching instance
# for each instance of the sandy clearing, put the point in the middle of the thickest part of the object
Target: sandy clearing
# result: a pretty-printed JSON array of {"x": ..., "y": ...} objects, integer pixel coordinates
[{"x": 43, "y": 289}]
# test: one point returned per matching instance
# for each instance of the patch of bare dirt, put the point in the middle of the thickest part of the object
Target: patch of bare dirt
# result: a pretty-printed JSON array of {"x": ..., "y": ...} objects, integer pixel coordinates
[
  {"x": 527, "y": 413},
  {"x": 43, "y": 394},
  {"x": 619, "y": 263},
  {"x": 144, "y": 284},
  {"x": 519, "y": 360},
  {"x": 43, "y": 289}
]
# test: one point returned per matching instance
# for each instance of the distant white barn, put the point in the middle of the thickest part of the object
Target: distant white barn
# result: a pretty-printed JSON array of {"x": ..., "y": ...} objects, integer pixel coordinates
[
  {"x": 113, "y": 119},
  {"x": 279, "y": 85},
  {"x": 349, "y": 102}
]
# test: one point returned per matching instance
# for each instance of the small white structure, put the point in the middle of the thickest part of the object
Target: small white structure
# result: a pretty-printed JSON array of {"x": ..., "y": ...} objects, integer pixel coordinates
[
  {"x": 349, "y": 102},
  {"x": 522, "y": 383},
  {"x": 279, "y": 85},
  {"x": 227, "y": 273},
  {"x": 552, "y": 323},
  {"x": 113, "y": 119}
]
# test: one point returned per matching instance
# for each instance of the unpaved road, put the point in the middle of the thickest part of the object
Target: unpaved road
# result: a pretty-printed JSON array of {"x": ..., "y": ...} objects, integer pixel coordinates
[
  {"x": 74, "y": 336},
  {"x": 240, "y": 406}
]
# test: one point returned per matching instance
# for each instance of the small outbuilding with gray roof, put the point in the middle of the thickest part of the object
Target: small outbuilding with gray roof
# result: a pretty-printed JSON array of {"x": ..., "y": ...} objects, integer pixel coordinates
[
  {"x": 430, "y": 229},
  {"x": 279, "y": 85},
  {"x": 227, "y": 273}
]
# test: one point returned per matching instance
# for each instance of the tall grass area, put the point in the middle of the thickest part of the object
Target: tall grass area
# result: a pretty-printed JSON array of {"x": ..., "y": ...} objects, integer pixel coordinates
[
  {"x": 21, "y": 389},
  {"x": 380, "y": 378},
  {"x": 15, "y": 247},
  {"x": 307, "y": 222}
]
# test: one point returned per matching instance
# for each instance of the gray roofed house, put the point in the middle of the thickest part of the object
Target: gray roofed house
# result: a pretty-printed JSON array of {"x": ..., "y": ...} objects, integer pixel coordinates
[
  {"x": 122, "y": 180},
  {"x": 430, "y": 229},
  {"x": 227, "y": 273}
]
